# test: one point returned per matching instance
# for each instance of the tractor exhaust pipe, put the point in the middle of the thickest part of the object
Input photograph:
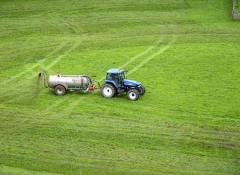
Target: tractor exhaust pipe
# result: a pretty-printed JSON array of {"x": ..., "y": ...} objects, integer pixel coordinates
[{"x": 42, "y": 73}]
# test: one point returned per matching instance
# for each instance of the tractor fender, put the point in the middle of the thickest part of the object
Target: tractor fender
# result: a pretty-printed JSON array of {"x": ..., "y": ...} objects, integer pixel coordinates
[
  {"x": 111, "y": 82},
  {"x": 134, "y": 87}
]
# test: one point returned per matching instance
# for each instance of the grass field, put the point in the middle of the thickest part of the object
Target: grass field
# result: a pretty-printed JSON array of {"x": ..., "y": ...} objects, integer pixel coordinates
[
  {"x": 185, "y": 54},
  {"x": 238, "y": 6}
]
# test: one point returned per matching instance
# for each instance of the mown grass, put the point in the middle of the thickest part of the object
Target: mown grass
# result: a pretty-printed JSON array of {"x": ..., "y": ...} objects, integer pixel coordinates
[{"x": 187, "y": 56}]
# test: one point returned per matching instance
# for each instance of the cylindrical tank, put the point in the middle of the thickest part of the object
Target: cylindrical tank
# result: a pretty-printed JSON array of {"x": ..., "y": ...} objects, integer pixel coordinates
[{"x": 80, "y": 82}]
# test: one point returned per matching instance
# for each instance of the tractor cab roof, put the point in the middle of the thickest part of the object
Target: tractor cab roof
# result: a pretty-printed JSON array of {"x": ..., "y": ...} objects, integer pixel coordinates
[{"x": 115, "y": 71}]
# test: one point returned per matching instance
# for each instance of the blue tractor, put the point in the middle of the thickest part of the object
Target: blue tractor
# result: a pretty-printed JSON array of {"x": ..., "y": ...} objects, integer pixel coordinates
[{"x": 116, "y": 83}]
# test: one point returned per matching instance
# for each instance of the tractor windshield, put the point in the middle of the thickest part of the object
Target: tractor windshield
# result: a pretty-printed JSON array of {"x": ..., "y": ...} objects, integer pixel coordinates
[{"x": 112, "y": 76}]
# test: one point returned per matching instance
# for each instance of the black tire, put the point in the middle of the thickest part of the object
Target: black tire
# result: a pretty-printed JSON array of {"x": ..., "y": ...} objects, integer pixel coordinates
[
  {"x": 59, "y": 90},
  {"x": 108, "y": 90},
  {"x": 133, "y": 94},
  {"x": 142, "y": 90}
]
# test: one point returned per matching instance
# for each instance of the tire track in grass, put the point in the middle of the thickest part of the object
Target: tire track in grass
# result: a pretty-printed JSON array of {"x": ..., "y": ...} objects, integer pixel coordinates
[
  {"x": 19, "y": 92},
  {"x": 28, "y": 69},
  {"x": 143, "y": 53},
  {"x": 75, "y": 103},
  {"x": 61, "y": 46},
  {"x": 66, "y": 53},
  {"x": 154, "y": 55},
  {"x": 68, "y": 107},
  {"x": 84, "y": 162},
  {"x": 54, "y": 62},
  {"x": 175, "y": 133},
  {"x": 79, "y": 41},
  {"x": 47, "y": 67},
  {"x": 53, "y": 106}
]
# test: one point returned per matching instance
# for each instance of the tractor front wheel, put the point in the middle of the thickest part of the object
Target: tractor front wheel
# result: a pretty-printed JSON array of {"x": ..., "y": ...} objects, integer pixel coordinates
[
  {"x": 59, "y": 90},
  {"x": 133, "y": 94},
  {"x": 108, "y": 90}
]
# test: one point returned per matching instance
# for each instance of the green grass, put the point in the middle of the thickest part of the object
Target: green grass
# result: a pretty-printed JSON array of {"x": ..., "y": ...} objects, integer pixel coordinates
[
  {"x": 187, "y": 57},
  {"x": 238, "y": 6}
]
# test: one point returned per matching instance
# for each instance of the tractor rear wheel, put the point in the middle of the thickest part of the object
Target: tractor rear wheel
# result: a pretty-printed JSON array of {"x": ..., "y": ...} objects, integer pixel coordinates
[
  {"x": 133, "y": 94},
  {"x": 108, "y": 90},
  {"x": 59, "y": 90}
]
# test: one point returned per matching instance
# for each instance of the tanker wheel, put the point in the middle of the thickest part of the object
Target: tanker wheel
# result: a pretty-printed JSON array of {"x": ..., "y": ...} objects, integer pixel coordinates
[
  {"x": 142, "y": 90},
  {"x": 59, "y": 90},
  {"x": 133, "y": 94},
  {"x": 108, "y": 90}
]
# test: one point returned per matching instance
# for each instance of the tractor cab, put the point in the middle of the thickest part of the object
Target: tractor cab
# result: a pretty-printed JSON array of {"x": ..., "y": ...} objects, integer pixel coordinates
[{"x": 116, "y": 77}]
